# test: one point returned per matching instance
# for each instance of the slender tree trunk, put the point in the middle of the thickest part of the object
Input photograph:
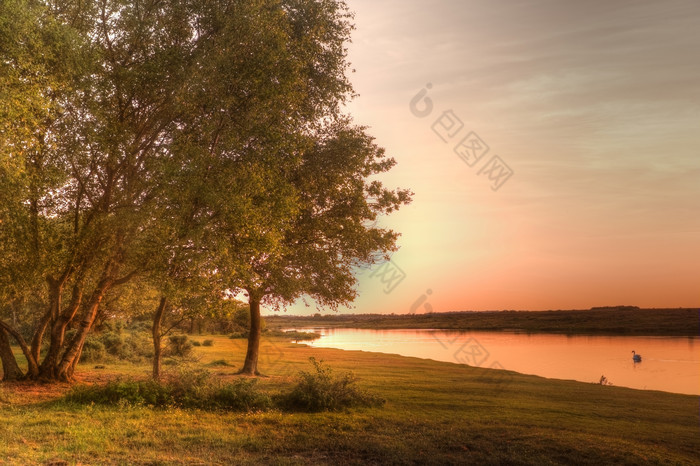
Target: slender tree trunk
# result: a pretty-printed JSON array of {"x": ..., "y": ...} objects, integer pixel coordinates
[
  {"x": 250, "y": 367},
  {"x": 32, "y": 367},
  {"x": 39, "y": 335},
  {"x": 16, "y": 306},
  {"x": 10, "y": 369},
  {"x": 157, "y": 323},
  {"x": 71, "y": 369}
]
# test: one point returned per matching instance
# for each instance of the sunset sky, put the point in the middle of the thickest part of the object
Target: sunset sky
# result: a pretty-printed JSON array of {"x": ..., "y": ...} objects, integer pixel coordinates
[{"x": 594, "y": 106}]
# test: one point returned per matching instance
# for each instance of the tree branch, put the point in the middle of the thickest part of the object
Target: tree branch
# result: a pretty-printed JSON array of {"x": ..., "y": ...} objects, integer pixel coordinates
[{"x": 125, "y": 278}]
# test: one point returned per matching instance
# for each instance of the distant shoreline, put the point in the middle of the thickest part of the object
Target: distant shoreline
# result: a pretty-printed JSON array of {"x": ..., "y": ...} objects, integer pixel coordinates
[{"x": 618, "y": 321}]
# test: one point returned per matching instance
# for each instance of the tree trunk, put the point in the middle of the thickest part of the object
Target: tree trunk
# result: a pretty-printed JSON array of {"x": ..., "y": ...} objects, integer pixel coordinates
[
  {"x": 157, "y": 322},
  {"x": 16, "y": 306},
  {"x": 47, "y": 370},
  {"x": 39, "y": 335},
  {"x": 63, "y": 370},
  {"x": 51, "y": 315},
  {"x": 65, "y": 367},
  {"x": 32, "y": 367},
  {"x": 10, "y": 369},
  {"x": 71, "y": 369},
  {"x": 250, "y": 367}
]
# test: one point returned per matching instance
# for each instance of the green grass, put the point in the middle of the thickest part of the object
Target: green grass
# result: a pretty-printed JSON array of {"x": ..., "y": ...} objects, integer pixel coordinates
[
  {"x": 435, "y": 413},
  {"x": 607, "y": 321}
]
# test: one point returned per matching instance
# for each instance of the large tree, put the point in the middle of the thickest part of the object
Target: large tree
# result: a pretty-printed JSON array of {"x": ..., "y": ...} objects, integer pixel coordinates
[
  {"x": 39, "y": 69},
  {"x": 120, "y": 115},
  {"x": 330, "y": 231}
]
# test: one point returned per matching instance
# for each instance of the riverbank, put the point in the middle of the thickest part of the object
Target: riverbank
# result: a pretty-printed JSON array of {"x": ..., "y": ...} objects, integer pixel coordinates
[
  {"x": 670, "y": 364},
  {"x": 435, "y": 413},
  {"x": 604, "y": 321}
]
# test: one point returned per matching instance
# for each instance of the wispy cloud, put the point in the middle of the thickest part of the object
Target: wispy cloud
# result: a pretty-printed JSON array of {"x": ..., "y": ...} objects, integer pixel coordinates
[{"x": 596, "y": 104}]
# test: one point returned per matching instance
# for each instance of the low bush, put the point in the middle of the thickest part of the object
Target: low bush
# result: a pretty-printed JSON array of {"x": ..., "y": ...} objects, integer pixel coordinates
[
  {"x": 196, "y": 343},
  {"x": 317, "y": 390},
  {"x": 98, "y": 347},
  {"x": 208, "y": 343},
  {"x": 116, "y": 326},
  {"x": 137, "y": 346},
  {"x": 93, "y": 350},
  {"x": 241, "y": 395},
  {"x": 320, "y": 390},
  {"x": 140, "y": 326},
  {"x": 191, "y": 389},
  {"x": 178, "y": 345},
  {"x": 122, "y": 392},
  {"x": 113, "y": 343}
]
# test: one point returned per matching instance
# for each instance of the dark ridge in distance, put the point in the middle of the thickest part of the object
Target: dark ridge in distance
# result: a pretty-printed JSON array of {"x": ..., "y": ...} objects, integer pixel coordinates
[{"x": 611, "y": 320}]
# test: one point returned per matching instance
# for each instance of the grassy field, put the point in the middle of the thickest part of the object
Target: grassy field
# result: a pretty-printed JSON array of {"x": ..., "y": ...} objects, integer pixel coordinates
[
  {"x": 436, "y": 413},
  {"x": 607, "y": 321}
]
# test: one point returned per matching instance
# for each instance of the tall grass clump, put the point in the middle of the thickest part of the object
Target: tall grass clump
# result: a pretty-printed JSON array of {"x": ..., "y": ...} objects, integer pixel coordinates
[{"x": 321, "y": 390}]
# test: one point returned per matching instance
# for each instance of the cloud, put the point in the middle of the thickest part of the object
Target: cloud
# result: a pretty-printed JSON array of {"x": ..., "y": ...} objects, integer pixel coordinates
[{"x": 596, "y": 106}]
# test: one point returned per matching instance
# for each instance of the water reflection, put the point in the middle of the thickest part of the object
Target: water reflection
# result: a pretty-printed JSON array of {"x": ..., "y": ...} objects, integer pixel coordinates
[{"x": 669, "y": 363}]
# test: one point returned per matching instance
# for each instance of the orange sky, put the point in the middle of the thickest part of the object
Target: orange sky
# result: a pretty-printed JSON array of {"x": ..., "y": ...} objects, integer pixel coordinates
[{"x": 594, "y": 106}]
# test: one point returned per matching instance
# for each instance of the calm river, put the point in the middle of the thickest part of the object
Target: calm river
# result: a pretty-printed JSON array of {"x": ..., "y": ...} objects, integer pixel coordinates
[{"x": 670, "y": 364}]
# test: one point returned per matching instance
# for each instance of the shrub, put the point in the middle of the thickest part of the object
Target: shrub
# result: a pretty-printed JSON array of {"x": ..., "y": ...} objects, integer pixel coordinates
[
  {"x": 122, "y": 392},
  {"x": 116, "y": 326},
  {"x": 179, "y": 346},
  {"x": 140, "y": 326},
  {"x": 320, "y": 390},
  {"x": 93, "y": 350},
  {"x": 133, "y": 347},
  {"x": 196, "y": 343},
  {"x": 137, "y": 346},
  {"x": 190, "y": 389},
  {"x": 208, "y": 343},
  {"x": 113, "y": 343},
  {"x": 241, "y": 395}
]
